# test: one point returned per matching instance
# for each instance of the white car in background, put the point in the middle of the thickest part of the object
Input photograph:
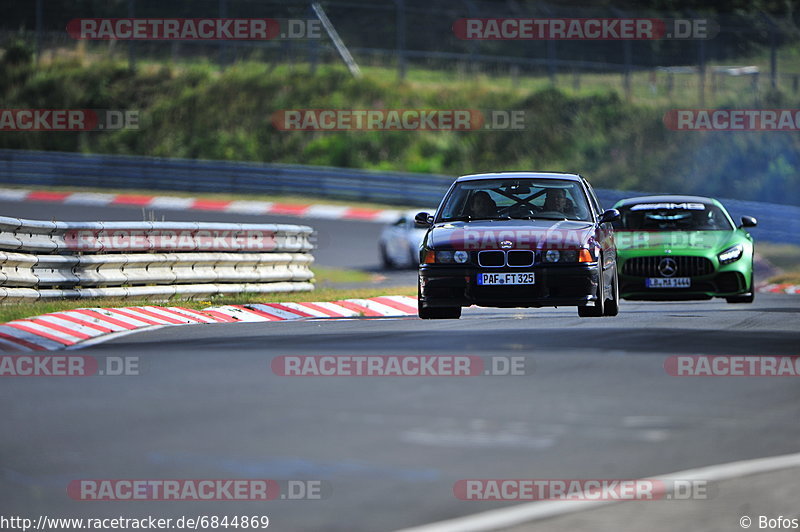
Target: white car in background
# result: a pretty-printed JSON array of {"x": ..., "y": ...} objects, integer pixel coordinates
[{"x": 400, "y": 241}]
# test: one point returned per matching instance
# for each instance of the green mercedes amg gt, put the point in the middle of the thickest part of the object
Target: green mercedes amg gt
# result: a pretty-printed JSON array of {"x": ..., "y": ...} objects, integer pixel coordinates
[{"x": 682, "y": 248}]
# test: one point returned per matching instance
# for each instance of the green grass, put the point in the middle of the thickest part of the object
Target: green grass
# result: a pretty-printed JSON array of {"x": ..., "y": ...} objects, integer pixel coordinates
[
  {"x": 25, "y": 310},
  {"x": 324, "y": 276},
  {"x": 783, "y": 256},
  {"x": 788, "y": 278},
  {"x": 499, "y": 78},
  {"x": 194, "y": 110}
]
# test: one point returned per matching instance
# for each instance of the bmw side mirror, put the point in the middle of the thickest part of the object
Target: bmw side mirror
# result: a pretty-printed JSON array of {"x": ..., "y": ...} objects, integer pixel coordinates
[
  {"x": 611, "y": 215},
  {"x": 748, "y": 221},
  {"x": 423, "y": 219}
]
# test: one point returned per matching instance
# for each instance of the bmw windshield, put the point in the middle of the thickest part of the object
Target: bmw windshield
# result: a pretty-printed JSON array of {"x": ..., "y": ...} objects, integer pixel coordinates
[{"x": 507, "y": 199}]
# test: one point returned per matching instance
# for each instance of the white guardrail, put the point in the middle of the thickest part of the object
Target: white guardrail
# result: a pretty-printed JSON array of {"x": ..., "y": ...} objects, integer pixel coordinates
[{"x": 150, "y": 260}]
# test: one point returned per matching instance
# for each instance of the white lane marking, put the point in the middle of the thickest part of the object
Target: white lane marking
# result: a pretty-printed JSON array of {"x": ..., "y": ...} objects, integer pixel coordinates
[
  {"x": 249, "y": 207},
  {"x": 331, "y": 212},
  {"x": 477, "y": 439},
  {"x": 536, "y": 511},
  {"x": 12, "y": 194},
  {"x": 171, "y": 202},
  {"x": 89, "y": 198}
]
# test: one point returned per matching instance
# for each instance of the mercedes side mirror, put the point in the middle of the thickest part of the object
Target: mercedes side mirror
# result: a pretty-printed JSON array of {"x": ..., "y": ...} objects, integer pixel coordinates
[{"x": 748, "y": 221}]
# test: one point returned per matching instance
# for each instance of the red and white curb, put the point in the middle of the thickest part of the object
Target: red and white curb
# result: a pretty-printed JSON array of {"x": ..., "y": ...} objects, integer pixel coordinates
[
  {"x": 73, "y": 329},
  {"x": 95, "y": 199},
  {"x": 783, "y": 288}
]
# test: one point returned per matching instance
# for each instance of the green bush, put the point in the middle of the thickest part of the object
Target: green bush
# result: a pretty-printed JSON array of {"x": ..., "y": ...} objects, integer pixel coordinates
[{"x": 198, "y": 112}]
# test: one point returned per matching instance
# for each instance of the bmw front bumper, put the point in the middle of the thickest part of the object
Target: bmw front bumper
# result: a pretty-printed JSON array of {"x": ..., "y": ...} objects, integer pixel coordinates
[{"x": 445, "y": 285}]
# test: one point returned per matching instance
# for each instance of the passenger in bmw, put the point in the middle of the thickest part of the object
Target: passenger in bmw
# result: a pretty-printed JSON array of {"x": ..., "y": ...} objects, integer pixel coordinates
[{"x": 482, "y": 205}]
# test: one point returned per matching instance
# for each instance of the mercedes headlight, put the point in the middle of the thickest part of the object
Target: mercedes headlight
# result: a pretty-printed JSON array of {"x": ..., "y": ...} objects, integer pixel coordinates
[{"x": 732, "y": 254}]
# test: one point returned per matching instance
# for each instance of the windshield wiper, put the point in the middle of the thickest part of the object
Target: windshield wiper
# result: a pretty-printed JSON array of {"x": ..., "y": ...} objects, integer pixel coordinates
[
  {"x": 468, "y": 218},
  {"x": 537, "y": 217}
]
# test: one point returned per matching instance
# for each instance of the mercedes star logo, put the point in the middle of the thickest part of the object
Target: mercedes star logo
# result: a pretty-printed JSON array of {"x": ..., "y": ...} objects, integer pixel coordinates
[
  {"x": 668, "y": 267},
  {"x": 506, "y": 244}
]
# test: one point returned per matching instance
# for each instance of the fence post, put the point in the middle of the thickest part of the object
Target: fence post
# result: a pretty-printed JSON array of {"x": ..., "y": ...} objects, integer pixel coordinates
[
  {"x": 627, "y": 75},
  {"x": 131, "y": 53},
  {"x": 552, "y": 67},
  {"x": 401, "y": 38},
  {"x": 223, "y": 45},
  {"x": 39, "y": 16},
  {"x": 313, "y": 47},
  {"x": 773, "y": 44},
  {"x": 756, "y": 96},
  {"x": 701, "y": 71}
]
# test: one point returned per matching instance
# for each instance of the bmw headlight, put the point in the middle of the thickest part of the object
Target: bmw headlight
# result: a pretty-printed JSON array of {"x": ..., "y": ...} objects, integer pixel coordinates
[
  {"x": 564, "y": 255},
  {"x": 732, "y": 254},
  {"x": 444, "y": 257}
]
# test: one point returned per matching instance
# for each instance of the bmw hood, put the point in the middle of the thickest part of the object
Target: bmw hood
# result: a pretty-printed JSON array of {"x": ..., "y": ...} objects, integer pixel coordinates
[{"x": 516, "y": 234}]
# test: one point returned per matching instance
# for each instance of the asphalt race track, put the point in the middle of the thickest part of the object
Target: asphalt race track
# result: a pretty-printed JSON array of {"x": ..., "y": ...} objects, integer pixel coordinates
[
  {"x": 207, "y": 405},
  {"x": 596, "y": 403}
]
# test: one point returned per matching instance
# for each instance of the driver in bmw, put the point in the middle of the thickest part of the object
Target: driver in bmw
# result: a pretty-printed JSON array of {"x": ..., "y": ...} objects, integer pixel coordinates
[{"x": 556, "y": 200}]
